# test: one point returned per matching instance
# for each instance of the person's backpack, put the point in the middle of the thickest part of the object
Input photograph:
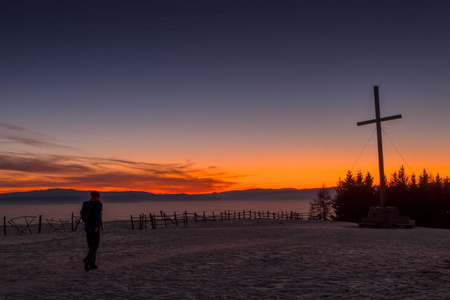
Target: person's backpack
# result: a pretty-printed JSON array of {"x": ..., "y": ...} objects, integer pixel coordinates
[{"x": 85, "y": 212}]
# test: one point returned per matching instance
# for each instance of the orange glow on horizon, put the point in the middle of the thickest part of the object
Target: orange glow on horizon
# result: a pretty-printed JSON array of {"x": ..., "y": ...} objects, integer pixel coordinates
[
  {"x": 265, "y": 179},
  {"x": 289, "y": 169}
]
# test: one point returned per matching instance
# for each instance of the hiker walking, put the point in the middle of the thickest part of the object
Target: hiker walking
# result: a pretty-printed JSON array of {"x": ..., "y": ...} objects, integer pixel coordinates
[{"x": 91, "y": 213}]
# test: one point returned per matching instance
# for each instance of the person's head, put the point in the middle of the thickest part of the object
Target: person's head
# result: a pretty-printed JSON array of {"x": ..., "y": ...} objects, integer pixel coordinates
[{"x": 95, "y": 195}]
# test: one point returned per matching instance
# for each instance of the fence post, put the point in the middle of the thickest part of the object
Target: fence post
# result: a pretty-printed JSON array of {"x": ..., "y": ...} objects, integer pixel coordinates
[
  {"x": 4, "y": 224},
  {"x": 214, "y": 217},
  {"x": 163, "y": 216},
  {"x": 40, "y": 223},
  {"x": 204, "y": 216},
  {"x": 72, "y": 221},
  {"x": 152, "y": 221},
  {"x": 175, "y": 217},
  {"x": 195, "y": 217},
  {"x": 145, "y": 221},
  {"x": 132, "y": 223},
  {"x": 166, "y": 222},
  {"x": 186, "y": 217}
]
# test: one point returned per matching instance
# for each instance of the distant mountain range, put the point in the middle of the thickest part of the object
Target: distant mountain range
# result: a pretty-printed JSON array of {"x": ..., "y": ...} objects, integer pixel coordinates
[{"x": 76, "y": 196}]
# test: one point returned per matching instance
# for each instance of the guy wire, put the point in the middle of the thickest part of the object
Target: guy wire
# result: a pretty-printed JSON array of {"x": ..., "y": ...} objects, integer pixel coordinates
[
  {"x": 404, "y": 160},
  {"x": 363, "y": 149}
]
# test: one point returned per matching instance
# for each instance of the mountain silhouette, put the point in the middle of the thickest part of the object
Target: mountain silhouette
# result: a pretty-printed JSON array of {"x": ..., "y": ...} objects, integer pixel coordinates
[{"x": 76, "y": 196}]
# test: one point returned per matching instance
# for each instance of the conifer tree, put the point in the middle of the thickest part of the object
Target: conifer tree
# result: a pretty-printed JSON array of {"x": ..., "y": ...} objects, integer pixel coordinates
[
  {"x": 425, "y": 198},
  {"x": 398, "y": 191},
  {"x": 354, "y": 196},
  {"x": 321, "y": 207},
  {"x": 446, "y": 201}
]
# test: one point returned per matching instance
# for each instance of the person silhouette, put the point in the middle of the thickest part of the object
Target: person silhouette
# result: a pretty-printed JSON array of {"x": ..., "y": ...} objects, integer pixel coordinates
[{"x": 92, "y": 228}]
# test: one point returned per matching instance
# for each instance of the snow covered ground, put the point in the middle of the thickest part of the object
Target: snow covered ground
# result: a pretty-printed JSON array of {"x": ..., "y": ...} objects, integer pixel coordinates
[{"x": 250, "y": 259}]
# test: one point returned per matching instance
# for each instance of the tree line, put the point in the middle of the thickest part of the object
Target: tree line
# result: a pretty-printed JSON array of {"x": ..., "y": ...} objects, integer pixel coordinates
[{"x": 425, "y": 199}]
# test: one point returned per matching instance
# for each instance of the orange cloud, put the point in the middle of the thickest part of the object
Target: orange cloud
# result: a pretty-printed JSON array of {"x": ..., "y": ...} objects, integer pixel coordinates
[{"x": 30, "y": 171}]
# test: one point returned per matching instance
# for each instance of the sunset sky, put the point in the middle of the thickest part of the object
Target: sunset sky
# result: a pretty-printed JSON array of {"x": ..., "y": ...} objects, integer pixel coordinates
[{"x": 203, "y": 96}]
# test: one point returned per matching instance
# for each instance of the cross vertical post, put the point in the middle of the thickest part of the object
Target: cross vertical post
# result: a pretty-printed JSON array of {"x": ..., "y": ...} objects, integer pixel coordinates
[
  {"x": 380, "y": 148},
  {"x": 378, "y": 121}
]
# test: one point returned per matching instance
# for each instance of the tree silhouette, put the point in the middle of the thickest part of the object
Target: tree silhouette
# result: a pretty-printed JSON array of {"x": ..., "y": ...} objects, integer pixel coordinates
[
  {"x": 354, "y": 196},
  {"x": 321, "y": 207},
  {"x": 397, "y": 192},
  {"x": 425, "y": 199}
]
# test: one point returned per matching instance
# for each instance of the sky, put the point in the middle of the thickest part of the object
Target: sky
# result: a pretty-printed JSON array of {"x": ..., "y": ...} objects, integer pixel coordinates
[{"x": 208, "y": 96}]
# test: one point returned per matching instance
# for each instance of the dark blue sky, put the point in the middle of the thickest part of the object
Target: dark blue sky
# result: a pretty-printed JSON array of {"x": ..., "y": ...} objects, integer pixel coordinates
[{"x": 214, "y": 82}]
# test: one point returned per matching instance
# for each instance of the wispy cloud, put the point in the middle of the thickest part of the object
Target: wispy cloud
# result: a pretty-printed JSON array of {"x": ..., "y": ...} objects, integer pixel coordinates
[
  {"x": 12, "y": 127},
  {"x": 41, "y": 164},
  {"x": 29, "y": 170},
  {"x": 35, "y": 142},
  {"x": 14, "y": 134},
  {"x": 32, "y": 171}
]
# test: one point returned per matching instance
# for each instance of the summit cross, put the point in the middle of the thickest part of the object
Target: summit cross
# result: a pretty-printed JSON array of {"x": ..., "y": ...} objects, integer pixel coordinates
[{"x": 378, "y": 121}]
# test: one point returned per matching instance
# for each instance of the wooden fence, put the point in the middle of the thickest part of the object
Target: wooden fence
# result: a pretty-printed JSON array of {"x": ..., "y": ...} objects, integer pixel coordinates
[
  {"x": 37, "y": 224},
  {"x": 162, "y": 219}
]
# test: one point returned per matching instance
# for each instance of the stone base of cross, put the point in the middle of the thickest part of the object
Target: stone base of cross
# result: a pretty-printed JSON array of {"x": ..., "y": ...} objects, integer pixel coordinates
[{"x": 386, "y": 217}]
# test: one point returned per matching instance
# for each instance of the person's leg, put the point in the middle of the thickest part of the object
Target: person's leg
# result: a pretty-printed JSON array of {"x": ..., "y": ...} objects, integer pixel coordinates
[
  {"x": 88, "y": 258},
  {"x": 91, "y": 237},
  {"x": 95, "y": 244}
]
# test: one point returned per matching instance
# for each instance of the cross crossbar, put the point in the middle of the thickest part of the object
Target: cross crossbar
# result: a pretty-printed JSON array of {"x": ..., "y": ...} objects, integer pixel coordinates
[{"x": 381, "y": 120}]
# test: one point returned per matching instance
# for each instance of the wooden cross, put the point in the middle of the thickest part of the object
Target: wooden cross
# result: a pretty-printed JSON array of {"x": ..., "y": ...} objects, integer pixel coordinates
[{"x": 378, "y": 121}]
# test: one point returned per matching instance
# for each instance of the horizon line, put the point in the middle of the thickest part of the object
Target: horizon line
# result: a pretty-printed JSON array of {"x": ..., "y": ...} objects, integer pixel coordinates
[{"x": 155, "y": 193}]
